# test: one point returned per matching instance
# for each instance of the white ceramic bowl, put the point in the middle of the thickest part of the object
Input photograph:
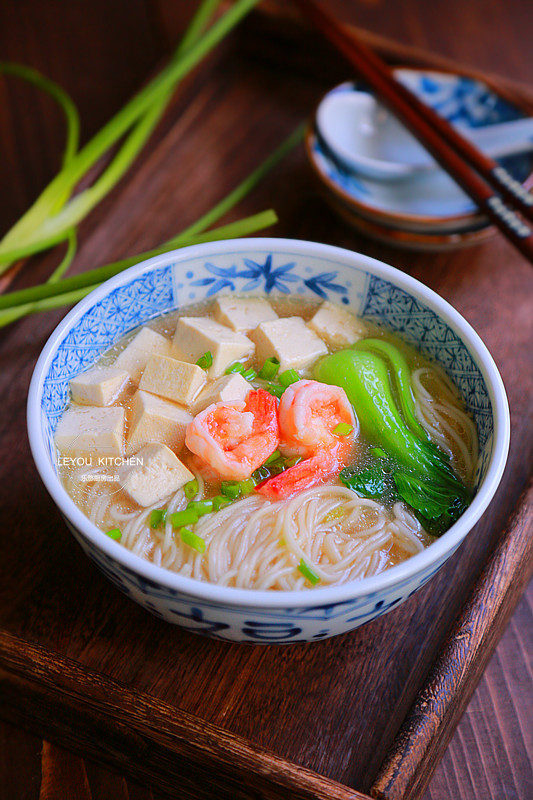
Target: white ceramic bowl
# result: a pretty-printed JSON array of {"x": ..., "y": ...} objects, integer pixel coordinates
[{"x": 266, "y": 266}]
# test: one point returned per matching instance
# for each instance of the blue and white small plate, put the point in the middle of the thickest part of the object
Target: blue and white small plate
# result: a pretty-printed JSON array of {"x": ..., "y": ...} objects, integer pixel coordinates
[{"x": 430, "y": 201}]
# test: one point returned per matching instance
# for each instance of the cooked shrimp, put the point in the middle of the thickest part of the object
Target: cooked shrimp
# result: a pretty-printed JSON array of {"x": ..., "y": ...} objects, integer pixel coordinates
[
  {"x": 309, "y": 412},
  {"x": 234, "y": 439}
]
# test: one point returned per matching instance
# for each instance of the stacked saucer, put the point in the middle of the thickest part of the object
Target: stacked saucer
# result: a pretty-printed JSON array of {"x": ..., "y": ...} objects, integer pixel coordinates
[{"x": 381, "y": 180}]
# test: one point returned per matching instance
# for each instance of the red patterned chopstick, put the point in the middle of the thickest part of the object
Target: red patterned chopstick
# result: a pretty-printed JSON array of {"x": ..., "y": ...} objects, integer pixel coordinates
[{"x": 481, "y": 178}]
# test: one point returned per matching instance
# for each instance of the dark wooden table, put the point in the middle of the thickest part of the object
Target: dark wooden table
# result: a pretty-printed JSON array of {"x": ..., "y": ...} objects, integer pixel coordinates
[{"x": 101, "y": 52}]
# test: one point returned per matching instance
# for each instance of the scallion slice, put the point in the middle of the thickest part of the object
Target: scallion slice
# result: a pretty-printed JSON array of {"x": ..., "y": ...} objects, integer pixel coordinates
[
  {"x": 205, "y": 361},
  {"x": 249, "y": 374},
  {"x": 231, "y": 489},
  {"x": 115, "y": 533},
  {"x": 235, "y": 367},
  {"x": 291, "y": 462},
  {"x": 275, "y": 389},
  {"x": 191, "y": 489},
  {"x": 193, "y": 540},
  {"x": 247, "y": 486},
  {"x": 275, "y": 456},
  {"x": 201, "y": 507},
  {"x": 308, "y": 572},
  {"x": 288, "y": 377},
  {"x": 186, "y": 517},
  {"x": 343, "y": 429},
  {"x": 219, "y": 502},
  {"x": 158, "y": 517},
  {"x": 269, "y": 369}
]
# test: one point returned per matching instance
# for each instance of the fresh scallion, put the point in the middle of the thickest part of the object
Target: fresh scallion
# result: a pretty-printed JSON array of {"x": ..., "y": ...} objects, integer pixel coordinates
[
  {"x": 288, "y": 377},
  {"x": 201, "y": 507},
  {"x": 308, "y": 572},
  {"x": 235, "y": 367},
  {"x": 158, "y": 517},
  {"x": 191, "y": 489},
  {"x": 291, "y": 462},
  {"x": 186, "y": 517},
  {"x": 219, "y": 502},
  {"x": 343, "y": 429},
  {"x": 193, "y": 540},
  {"x": 115, "y": 533},
  {"x": 275, "y": 456},
  {"x": 205, "y": 361},
  {"x": 231, "y": 489},
  {"x": 275, "y": 389},
  {"x": 247, "y": 486},
  {"x": 249, "y": 374},
  {"x": 269, "y": 369}
]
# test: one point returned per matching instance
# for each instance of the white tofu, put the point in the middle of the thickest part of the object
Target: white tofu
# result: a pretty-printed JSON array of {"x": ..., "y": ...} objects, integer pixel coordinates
[
  {"x": 175, "y": 380},
  {"x": 243, "y": 314},
  {"x": 156, "y": 420},
  {"x": 223, "y": 390},
  {"x": 290, "y": 341},
  {"x": 98, "y": 386},
  {"x": 157, "y": 473},
  {"x": 91, "y": 431},
  {"x": 146, "y": 343},
  {"x": 336, "y": 326},
  {"x": 197, "y": 335}
]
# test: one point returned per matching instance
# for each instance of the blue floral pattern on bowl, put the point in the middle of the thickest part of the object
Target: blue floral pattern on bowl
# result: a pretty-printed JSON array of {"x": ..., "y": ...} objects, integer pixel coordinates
[{"x": 251, "y": 267}]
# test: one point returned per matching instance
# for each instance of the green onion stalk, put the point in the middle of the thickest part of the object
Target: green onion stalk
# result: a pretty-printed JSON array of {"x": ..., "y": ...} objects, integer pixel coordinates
[{"x": 56, "y": 212}]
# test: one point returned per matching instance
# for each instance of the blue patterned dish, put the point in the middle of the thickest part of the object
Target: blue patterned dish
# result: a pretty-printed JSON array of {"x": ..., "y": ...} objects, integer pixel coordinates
[
  {"x": 266, "y": 266},
  {"x": 430, "y": 201}
]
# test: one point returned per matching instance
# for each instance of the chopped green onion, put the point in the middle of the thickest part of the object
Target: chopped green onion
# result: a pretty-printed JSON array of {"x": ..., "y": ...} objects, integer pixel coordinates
[
  {"x": 288, "y": 377},
  {"x": 158, "y": 517},
  {"x": 201, "y": 507},
  {"x": 291, "y": 462},
  {"x": 115, "y": 533},
  {"x": 261, "y": 474},
  {"x": 193, "y": 540},
  {"x": 231, "y": 489},
  {"x": 269, "y": 369},
  {"x": 219, "y": 502},
  {"x": 308, "y": 573},
  {"x": 343, "y": 429},
  {"x": 275, "y": 389},
  {"x": 275, "y": 456},
  {"x": 249, "y": 374},
  {"x": 186, "y": 517},
  {"x": 191, "y": 489},
  {"x": 235, "y": 367},
  {"x": 335, "y": 513},
  {"x": 205, "y": 361},
  {"x": 247, "y": 486},
  {"x": 377, "y": 452}
]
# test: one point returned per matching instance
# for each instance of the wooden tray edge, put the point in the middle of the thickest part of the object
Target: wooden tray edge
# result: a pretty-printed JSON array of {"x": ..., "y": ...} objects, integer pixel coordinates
[
  {"x": 148, "y": 740},
  {"x": 433, "y": 717}
]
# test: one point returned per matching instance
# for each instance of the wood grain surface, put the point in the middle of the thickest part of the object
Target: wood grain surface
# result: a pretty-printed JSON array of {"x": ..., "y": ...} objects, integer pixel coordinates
[{"x": 334, "y": 707}]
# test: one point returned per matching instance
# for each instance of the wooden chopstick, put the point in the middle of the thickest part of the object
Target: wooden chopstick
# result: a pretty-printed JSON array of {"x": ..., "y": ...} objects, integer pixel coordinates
[{"x": 477, "y": 174}]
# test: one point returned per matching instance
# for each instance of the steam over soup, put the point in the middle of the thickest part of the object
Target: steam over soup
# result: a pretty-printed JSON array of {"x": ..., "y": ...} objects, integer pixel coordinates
[{"x": 276, "y": 444}]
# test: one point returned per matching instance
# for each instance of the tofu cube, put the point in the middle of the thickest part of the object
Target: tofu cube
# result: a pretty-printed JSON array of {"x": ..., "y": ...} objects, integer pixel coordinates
[
  {"x": 290, "y": 341},
  {"x": 336, "y": 326},
  {"x": 156, "y": 420},
  {"x": 223, "y": 390},
  {"x": 98, "y": 386},
  {"x": 154, "y": 474},
  {"x": 243, "y": 314},
  {"x": 197, "y": 335},
  {"x": 88, "y": 430},
  {"x": 175, "y": 380},
  {"x": 135, "y": 356}
]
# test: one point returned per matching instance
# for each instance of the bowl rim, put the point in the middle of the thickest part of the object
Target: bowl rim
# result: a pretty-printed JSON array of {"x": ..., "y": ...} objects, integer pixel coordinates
[
  {"x": 265, "y": 599},
  {"x": 473, "y": 217}
]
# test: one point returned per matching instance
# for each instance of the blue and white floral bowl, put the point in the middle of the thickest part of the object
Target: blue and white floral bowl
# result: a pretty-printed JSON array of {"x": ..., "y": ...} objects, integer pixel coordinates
[{"x": 266, "y": 267}]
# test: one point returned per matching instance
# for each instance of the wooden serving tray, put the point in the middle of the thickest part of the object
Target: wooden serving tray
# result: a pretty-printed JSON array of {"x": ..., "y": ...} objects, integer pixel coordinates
[{"x": 370, "y": 712}]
